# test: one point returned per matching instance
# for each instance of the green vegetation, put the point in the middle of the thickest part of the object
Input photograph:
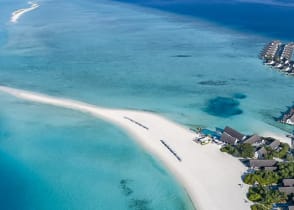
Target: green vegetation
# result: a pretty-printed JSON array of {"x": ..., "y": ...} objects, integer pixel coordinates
[
  {"x": 241, "y": 150},
  {"x": 260, "y": 207},
  {"x": 284, "y": 170},
  {"x": 261, "y": 192},
  {"x": 262, "y": 177},
  {"x": 290, "y": 157},
  {"x": 266, "y": 196},
  {"x": 282, "y": 153}
]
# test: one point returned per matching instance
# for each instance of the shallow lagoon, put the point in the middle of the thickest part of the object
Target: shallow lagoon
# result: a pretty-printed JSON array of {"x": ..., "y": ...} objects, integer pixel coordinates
[{"x": 53, "y": 158}]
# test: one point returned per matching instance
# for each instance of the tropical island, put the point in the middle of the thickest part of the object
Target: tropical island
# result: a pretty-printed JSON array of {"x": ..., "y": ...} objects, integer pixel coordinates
[{"x": 270, "y": 165}]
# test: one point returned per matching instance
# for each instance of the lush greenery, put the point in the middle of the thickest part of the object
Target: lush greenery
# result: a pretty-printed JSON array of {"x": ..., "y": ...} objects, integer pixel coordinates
[
  {"x": 262, "y": 192},
  {"x": 265, "y": 195},
  {"x": 262, "y": 177},
  {"x": 240, "y": 150},
  {"x": 282, "y": 153},
  {"x": 261, "y": 207},
  {"x": 286, "y": 170}
]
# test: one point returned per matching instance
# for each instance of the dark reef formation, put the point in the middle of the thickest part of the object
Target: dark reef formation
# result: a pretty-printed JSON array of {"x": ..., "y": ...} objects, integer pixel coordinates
[
  {"x": 240, "y": 96},
  {"x": 223, "y": 107},
  {"x": 213, "y": 82}
]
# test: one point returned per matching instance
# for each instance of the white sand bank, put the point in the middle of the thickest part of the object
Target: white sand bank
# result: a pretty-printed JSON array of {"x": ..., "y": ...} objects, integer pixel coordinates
[
  {"x": 210, "y": 177},
  {"x": 18, "y": 13}
]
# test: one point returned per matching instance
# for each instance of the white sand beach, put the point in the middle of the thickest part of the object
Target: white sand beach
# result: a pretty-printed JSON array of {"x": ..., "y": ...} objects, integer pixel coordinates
[
  {"x": 211, "y": 178},
  {"x": 18, "y": 13}
]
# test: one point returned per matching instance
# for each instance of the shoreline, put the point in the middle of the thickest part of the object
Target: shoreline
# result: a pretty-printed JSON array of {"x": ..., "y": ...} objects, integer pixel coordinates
[
  {"x": 210, "y": 178},
  {"x": 18, "y": 13}
]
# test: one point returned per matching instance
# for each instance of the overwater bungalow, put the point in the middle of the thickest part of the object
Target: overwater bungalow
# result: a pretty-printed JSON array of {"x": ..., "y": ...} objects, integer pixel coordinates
[
  {"x": 290, "y": 120},
  {"x": 279, "y": 56},
  {"x": 270, "y": 50},
  {"x": 288, "y": 117}
]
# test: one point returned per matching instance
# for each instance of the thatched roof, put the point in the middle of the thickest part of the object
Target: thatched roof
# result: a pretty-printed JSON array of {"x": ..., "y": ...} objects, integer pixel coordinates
[
  {"x": 272, "y": 168},
  {"x": 253, "y": 139},
  {"x": 228, "y": 139},
  {"x": 287, "y": 190},
  {"x": 288, "y": 182},
  {"x": 275, "y": 144},
  {"x": 262, "y": 163},
  {"x": 233, "y": 133},
  {"x": 261, "y": 152}
]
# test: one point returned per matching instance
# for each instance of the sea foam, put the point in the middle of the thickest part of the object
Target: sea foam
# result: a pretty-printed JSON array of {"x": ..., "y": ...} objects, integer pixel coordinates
[{"x": 18, "y": 13}]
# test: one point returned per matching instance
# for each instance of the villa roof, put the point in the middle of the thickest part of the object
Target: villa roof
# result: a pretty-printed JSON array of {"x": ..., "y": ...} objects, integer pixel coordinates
[
  {"x": 271, "y": 168},
  {"x": 261, "y": 152},
  {"x": 262, "y": 163},
  {"x": 253, "y": 139},
  {"x": 233, "y": 133},
  {"x": 288, "y": 182},
  {"x": 228, "y": 139},
  {"x": 287, "y": 190},
  {"x": 275, "y": 144},
  {"x": 292, "y": 118}
]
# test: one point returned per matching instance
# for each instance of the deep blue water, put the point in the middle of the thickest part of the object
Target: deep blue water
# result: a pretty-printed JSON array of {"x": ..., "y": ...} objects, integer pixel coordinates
[{"x": 267, "y": 18}]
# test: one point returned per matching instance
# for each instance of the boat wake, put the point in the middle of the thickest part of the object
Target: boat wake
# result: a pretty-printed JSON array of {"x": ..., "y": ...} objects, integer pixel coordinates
[{"x": 18, "y": 13}]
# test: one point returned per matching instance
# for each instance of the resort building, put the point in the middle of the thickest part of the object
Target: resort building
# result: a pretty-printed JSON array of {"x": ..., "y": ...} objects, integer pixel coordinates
[
  {"x": 262, "y": 163},
  {"x": 255, "y": 139},
  {"x": 288, "y": 117},
  {"x": 275, "y": 144},
  {"x": 290, "y": 121},
  {"x": 279, "y": 56},
  {"x": 231, "y": 136},
  {"x": 271, "y": 49},
  {"x": 288, "y": 182},
  {"x": 287, "y": 190},
  {"x": 260, "y": 153}
]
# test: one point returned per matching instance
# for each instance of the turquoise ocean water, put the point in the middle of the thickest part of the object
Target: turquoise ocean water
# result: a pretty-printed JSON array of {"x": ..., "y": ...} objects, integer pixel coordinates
[{"x": 123, "y": 56}]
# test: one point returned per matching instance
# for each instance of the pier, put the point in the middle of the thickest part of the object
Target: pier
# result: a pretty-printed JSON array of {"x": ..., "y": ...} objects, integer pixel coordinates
[{"x": 279, "y": 56}]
